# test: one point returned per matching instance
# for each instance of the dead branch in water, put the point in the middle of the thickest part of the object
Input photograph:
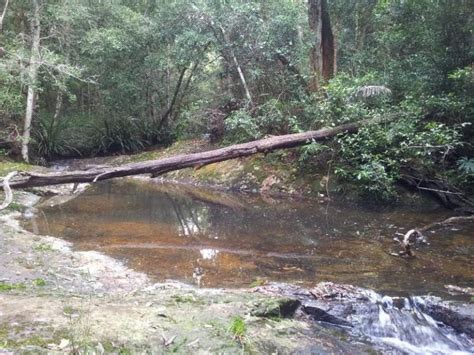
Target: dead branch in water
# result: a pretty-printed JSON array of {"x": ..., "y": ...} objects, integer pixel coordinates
[
  {"x": 447, "y": 222},
  {"x": 415, "y": 235}
]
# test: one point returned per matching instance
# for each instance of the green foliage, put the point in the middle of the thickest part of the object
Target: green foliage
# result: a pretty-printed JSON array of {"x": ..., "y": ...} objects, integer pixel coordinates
[
  {"x": 238, "y": 328},
  {"x": 5, "y": 286},
  {"x": 119, "y": 135},
  {"x": 466, "y": 165},
  {"x": 50, "y": 141},
  {"x": 242, "y": 127},
  {"x": 375, "y": 157},
  {"x": 39, "y": 282},
  {"x": 135, "y": 74}
]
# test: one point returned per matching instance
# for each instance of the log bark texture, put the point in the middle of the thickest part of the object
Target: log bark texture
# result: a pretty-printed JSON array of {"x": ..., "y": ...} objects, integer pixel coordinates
[{"x": 182, "y": 161}]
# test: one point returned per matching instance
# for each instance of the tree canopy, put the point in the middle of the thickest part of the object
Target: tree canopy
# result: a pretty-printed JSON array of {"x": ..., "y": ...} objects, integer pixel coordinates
[{"x": 100, "y": 77}]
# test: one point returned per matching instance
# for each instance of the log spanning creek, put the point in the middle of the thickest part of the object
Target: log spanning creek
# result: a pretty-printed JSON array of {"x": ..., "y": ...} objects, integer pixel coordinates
[{"x": 216, "y": 239}]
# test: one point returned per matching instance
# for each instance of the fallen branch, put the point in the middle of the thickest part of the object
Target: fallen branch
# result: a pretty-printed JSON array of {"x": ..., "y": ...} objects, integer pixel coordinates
[
  {"x": 449, "y": 196},
  {"x": 182, "y": 161},
  {"x": 8, "y": 191},
  {"x": 415, "y": 235},
  {"x": 447, "y": 222}
]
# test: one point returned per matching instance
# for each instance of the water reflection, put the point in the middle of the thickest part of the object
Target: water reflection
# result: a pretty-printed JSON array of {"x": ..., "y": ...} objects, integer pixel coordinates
[{"x": 217, "y": 239}]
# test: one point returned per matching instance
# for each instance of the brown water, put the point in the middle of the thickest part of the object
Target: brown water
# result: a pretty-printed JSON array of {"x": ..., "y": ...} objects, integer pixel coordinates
[{"x": 232, "y": 240}]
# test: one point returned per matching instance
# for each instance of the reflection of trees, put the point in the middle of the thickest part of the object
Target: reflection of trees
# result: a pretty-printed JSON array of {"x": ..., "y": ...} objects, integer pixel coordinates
[{"x": 192, "y": 218}]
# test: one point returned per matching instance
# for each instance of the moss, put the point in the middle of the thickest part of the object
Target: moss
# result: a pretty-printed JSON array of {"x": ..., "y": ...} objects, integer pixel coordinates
[
  {"x": 275, "y": 308},
  {"x": 7, "y": 166},
  {"x": 257, "y": 282},
  {"x": 14, "y": 206},
  {"x": 43, "y": 247},
  {"x": 39, "y": 282},
  {"x": 184, "y": 299},
  {"x": 14, "y": 338},
  {"x": 4, "y": 286}
]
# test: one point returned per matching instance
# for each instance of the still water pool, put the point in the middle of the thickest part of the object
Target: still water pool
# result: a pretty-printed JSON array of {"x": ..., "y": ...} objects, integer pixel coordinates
[{"x": 217, "y": 239}]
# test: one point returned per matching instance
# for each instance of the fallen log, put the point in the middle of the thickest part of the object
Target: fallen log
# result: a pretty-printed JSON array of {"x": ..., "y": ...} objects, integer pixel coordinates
[{"x": 182, "y": 161}]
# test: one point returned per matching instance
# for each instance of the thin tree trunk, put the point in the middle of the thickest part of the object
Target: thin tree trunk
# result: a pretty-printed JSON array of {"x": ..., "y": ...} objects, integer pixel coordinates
[
  {"x": 33, "y": 76},
  {"x": 169, "y": 110},
  {"x": 59, "y": 105},
  {"x": 237, "y": 65},
  {"x": 196, "y": 160},
  {"x": 242, "y": 78},
  {"x": 3, "y": 15}
]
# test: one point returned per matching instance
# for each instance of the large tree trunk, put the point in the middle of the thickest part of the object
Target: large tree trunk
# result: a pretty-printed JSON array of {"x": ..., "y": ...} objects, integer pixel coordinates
[
  {"x": 33, "y": 76},
  {"x": 161, "y": 166},
  {"x": 322, "y": 52}
]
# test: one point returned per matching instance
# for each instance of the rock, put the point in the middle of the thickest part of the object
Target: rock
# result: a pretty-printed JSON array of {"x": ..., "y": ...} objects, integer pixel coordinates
[
  {"x": 456, "y": 315},
  {"x": 320, "y": 315},
  {"x": 276, "y": 308}
]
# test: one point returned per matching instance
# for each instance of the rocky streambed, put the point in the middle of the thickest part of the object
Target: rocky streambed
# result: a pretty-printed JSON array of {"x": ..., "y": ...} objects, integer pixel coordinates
[{"x": 57, "y": 299}]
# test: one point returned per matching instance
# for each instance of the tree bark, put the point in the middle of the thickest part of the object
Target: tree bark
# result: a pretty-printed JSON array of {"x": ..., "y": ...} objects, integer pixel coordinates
[
  {"x": 33, "y": 76},
  {"x": 196, "y": 160},
  {"x": 322, "y": 51}
]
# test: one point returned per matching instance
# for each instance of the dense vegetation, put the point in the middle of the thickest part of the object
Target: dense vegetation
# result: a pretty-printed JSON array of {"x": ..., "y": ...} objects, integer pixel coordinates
[{"x": 119, "y": 75}]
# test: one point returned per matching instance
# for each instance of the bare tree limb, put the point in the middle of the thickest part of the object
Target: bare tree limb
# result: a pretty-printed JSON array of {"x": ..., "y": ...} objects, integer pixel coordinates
[
  {"x": 8, "y": 190},
  {"x": 3, "y": 15}
]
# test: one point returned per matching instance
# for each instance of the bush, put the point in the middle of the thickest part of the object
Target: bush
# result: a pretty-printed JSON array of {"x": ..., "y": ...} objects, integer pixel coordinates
[{"x": 242, "y": 127}]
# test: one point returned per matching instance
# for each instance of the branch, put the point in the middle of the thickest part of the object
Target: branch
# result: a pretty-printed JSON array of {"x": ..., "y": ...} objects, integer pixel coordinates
[
  {"x": 3, "y": 15},
  {"x": 8, "y": 190}
]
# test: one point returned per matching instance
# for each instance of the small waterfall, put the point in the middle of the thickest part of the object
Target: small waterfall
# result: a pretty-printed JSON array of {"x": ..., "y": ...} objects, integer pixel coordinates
[{"x": 400, "y": 323}]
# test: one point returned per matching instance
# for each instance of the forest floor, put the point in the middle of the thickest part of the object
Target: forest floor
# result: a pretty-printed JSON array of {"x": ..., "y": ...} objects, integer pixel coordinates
[{"x": 54, "y": 299}]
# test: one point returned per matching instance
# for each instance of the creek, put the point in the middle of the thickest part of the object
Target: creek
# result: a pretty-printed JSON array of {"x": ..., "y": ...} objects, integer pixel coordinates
[
  {"x": 232, "y": 240},
  {"x": 217, "y": 239}
]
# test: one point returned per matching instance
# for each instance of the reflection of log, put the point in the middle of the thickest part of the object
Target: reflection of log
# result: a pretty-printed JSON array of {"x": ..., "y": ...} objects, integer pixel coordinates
[{"x": 182, "y": 161}]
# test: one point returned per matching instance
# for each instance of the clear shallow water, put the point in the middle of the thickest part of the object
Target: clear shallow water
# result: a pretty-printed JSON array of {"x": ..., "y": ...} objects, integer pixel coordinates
[{"x": 231, "y": 240}]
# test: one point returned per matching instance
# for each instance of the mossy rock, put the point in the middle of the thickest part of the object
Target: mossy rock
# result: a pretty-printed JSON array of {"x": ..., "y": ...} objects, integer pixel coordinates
[{"x": 276, "y": 308}]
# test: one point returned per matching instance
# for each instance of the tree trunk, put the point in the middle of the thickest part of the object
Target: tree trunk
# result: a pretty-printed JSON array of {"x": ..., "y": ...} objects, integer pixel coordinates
[
  {"x": 2, "y": 17},
  {"x": 229, "y": 52},
  {"x": 322, "y": 51},
  {"x": 327, "y": 43},
  {"x": 33, "y": 76},
  {"x": 59, "y": 105},
  {"x": 170, "y": 108},
  {"x": 197, "y": 160}
]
